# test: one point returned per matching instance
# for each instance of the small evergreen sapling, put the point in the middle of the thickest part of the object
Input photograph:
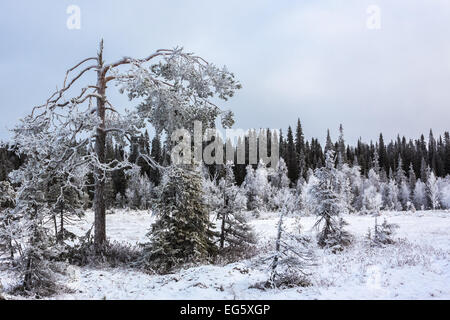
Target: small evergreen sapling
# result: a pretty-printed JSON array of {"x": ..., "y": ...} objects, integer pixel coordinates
[{"x": 182, "y": 232}]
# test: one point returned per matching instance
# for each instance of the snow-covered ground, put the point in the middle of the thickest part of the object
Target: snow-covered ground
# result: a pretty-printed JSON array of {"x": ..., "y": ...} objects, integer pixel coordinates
[{"x": 416, "y": 267}]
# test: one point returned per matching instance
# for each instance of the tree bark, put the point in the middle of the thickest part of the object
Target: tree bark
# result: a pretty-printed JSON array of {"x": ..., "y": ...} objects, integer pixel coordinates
[
  {"x": 100, "y": 147},
  {"x": 61, "y": 225}
]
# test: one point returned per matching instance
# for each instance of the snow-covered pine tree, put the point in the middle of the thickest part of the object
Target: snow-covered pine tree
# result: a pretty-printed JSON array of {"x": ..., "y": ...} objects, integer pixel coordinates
[
  {"x": 356, "y": 183},
  {"x": 341, "y": 154},
  {"x": 140, "y": 189},
  {"x": 235, "y": 233},
  {"x": 432, "y": 190},
  {"x": 405, "y": 196},
  {"x": 344, "y": 174},
  {"x": 400, "y": 175},
  {"x": 279, "y": 178},
  {"x": 420, "y": 195},
  {"x": 254, "y": 191},
  {"x": 182, "y": 232},
  {"x": 372, "y": 200},
  {"x": 412, "y": 179},
  {"x": 279, "y": 181},
  {"x": 328, "y": 206},
  {"x": 392, "y": 200},
  {"x": 308, "y": 199}
]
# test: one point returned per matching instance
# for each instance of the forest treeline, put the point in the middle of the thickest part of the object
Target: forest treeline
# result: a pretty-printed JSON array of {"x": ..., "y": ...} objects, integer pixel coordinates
[{"x": 299, "y": 154}]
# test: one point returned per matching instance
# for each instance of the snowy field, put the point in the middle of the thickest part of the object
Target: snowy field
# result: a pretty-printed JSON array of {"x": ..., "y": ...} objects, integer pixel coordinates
[{"x": 416, "y": 267}]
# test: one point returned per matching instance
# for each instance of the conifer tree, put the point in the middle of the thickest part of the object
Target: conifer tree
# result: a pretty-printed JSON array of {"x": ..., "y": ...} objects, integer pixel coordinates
[
  {"x": 182, "y": 232},
  {"x": 432, "y": 190},
  {"x": 341, "y": 154},
  {"x": 423, "y": 171},
  {"x": 328, "y": 206},
  {"x": 292, "y": 161},
  {"x": 420, "y": 195},
  {"x": 329, "y": 144},
  {"x": 300, "y": 150},
  {"x": 156, "y": 154},
  {"x": 412, "y": 178}
]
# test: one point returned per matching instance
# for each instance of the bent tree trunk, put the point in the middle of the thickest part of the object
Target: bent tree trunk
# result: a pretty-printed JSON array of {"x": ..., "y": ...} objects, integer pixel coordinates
[{"x": 100, "y": 146}]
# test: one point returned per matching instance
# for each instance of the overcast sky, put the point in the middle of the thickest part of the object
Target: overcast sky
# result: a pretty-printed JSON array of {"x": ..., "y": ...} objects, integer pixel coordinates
[{"x": 316, "y": 60}]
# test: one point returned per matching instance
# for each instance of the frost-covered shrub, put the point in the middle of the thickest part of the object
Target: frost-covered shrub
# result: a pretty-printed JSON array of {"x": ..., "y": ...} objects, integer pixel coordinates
[
  {"x": 382, "y": 234},
  {"x": 114, "y": 254}
]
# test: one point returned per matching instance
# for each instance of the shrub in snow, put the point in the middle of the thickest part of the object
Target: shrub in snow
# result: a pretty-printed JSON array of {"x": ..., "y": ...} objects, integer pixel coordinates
[
  {"x": 114, "y": 254},
  {"x": 182, "y": 232},
  {"x": 383, "y": 234}
]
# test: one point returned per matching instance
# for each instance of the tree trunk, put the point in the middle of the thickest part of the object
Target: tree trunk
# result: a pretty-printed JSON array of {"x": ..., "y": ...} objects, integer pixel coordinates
[
  {"x": 222, "y": 232},
  {"x": 56, "y": 226},
  {"x": 100, "y": 147},
  {"x": 61, "y": 225}
]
